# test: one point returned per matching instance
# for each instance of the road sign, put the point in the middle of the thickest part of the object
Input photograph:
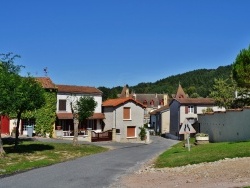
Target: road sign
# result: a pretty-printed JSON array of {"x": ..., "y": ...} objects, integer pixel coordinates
[{"x": 186, "y": 128}]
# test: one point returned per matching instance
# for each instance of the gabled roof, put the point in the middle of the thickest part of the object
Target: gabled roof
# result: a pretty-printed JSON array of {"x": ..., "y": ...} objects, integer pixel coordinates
[
  {"x": 180, "y": 93},
  {"x": 196, "y": 101},
  {"x": 78, "y": 89},
  {"x": 160, "y": 109},
  {"x": 120, "y": 101},
  {"x": 46, "y": 82}
]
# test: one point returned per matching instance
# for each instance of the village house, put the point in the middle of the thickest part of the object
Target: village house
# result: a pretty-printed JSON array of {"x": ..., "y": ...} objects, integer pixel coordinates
[
  {"x": 125, "y": 115},
  {"x": 182, "y": 108},
  {"x": 67, "y": 94}
]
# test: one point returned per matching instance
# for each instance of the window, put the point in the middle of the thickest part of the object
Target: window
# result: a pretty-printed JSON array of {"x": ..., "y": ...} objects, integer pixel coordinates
[
  {"x": 62, "y": 105},
  {"x": 131, "y": 131},
  {"x": 126, "y": 113},
  {"x": 190, "y": 109}
]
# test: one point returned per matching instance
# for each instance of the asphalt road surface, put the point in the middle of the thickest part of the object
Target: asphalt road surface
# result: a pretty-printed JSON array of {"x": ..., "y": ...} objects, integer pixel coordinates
[{"x": 95, "y": 171}]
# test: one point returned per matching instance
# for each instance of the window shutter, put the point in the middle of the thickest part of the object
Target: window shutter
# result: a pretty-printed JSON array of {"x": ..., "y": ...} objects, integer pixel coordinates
[
  {"x": 195, "y": 109},
  {"x": 62, "y": 105},
  {"x": 130, "y": 131},
  {"x": 186, "y": 109},
  {"x": 126, "y": 113}
]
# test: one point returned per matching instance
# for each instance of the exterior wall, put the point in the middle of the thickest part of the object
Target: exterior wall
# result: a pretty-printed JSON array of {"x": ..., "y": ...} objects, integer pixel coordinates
[
  {"x": 115, "y": 120},
  {"x": 226, "y": 126},
  {"x": 66, "y": 96},
  {"x": 174, "y": 118},
  {"x": 165, "y": 122},
  {"x": 109, "y": 118}
]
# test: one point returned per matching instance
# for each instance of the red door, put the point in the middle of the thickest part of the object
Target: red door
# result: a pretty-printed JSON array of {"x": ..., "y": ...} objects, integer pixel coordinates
[{"x": 5, "y": 125}]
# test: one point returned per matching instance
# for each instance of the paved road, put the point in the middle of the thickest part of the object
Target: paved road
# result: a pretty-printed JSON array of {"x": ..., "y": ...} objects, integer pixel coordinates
[{"x": 95, "y": 171}]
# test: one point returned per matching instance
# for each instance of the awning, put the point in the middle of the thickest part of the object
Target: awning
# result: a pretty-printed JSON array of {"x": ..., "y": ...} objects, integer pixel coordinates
[
  {"x": 64, "y": 115},
  {"x": 70, "y": 116},
  {"x": 97, "y": 116}
]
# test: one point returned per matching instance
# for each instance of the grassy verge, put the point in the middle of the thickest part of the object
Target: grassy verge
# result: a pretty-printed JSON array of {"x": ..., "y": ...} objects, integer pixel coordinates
[
  {"x": 178, "y": 155},
  {"x": 33, "y": 154}
]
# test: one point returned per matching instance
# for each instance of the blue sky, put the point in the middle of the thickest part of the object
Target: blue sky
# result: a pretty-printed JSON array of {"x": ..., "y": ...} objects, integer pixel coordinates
[{"x": 116, "y": 42}]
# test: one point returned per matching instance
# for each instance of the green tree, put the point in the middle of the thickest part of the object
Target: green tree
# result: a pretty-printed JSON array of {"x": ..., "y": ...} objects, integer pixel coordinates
[
  {"x": 241, "y": 68},
  {"x": 82, "y": 109},
  {"x": 8, "y": 76},
  {"x": 28, "y": 95},
  {"x": 223, "y": 92}
]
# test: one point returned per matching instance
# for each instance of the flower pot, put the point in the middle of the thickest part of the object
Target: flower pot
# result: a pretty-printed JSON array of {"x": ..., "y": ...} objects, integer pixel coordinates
[{"x": 202, "y": 139}]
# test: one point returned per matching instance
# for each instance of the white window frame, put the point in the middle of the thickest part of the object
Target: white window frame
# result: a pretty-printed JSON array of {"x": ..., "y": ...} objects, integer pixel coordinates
[{"x": 190, "y": 109}]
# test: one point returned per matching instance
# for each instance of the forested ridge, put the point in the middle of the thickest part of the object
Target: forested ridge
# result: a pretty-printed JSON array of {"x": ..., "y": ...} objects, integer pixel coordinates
[{"x": 196, "y": 83}]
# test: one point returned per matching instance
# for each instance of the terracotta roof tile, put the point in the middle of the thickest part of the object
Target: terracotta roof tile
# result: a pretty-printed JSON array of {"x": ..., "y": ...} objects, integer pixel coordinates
[
  {"x": 78, "y": 89},
  {"x": 64, "y": 115},
  {"x": 70, "y": 116},
  {"x": 97, "y": 116},
  {"x": 119, "y": 101},
  {"x": 46, "y": 82},
  {"x": 196, "y": 101},
  {"x": 160, "y": 109}
]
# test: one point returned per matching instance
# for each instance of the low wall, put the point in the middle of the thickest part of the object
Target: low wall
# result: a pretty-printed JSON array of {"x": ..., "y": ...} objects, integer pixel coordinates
[{"x": 231, "y": 125}]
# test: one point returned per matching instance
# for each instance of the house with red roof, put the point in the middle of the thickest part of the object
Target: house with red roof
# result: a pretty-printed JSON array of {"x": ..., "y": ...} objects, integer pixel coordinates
[
  {"x": 126, "y": 116},
  {"x": 71, "y": 93},
  {"x": 182, "y": 108}
]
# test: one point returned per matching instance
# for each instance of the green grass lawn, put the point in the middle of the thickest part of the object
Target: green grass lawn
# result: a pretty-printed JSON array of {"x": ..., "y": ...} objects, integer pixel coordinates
[
  {"x": 178, "y": 155},
  {"x": 33, "y": 154}
]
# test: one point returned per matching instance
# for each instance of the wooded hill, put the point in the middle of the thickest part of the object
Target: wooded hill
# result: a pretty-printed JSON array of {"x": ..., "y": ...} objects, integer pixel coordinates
[{"x": 196, "y": 83}]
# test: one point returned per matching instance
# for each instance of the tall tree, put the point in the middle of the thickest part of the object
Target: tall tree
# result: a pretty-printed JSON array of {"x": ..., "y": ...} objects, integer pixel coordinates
[
  {"x": 8, "y": 76},
  {"x": 28, "y": 95},
  {"x": 241, "y": 68},
  {"x": 82, "y": 109},
  {"x": 223, "y": 92}
]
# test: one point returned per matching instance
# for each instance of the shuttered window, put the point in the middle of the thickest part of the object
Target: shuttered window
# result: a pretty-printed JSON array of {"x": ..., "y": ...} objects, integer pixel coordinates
[
  {"x": 126, "y": 113},
  {"x": 131, "y": 131},
  {"x": 62, "y": 105}
]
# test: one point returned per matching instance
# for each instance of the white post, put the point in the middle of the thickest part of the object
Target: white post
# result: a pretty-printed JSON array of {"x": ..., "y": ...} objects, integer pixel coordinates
[{"x": 188, "y": 141}]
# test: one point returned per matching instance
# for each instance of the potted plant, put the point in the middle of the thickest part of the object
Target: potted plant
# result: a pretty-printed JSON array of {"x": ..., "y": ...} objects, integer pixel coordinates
[{"x": 201, "y": 138}]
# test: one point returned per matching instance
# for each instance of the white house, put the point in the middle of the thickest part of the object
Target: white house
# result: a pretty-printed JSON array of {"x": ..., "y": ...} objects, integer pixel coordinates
[{"x": 70, "y": 93}]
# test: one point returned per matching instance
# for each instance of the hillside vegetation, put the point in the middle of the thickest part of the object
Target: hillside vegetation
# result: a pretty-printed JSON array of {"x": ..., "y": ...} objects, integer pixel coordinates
[{"x": 195, "y": 83}]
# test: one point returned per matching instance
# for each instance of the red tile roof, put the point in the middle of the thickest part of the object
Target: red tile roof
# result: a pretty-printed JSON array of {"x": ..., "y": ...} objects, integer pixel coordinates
[
  {"x": 195, "y": 101},
  {"x": 97, "y": 116},
  {"x": 120, "y": 101},
  {"x": 70, "y": 116},
  {"x": 160, "y": 109},
  {"x": 64, "y": 115},
  {"x": 78, "y": 89},
  {"x": 46, "y": 82}
]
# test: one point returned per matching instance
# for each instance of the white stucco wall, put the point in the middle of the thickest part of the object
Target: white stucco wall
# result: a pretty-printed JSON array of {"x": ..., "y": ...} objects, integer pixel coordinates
[
  {"x": 68, "y": 98},
  {"x": 114, "y": 118},
  {"x": 165, "y": 121},
  {"x": 226, "y": 126}
]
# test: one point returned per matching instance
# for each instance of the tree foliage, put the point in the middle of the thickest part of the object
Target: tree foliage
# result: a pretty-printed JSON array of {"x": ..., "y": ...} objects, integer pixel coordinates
[
  {"x": 224, "y": 92},
  {"x": 18, "y": 94},
  {"x": 241, "y": 68},
  {"x": 85, "y": 107},
  {"x": 195, "y": 83}
]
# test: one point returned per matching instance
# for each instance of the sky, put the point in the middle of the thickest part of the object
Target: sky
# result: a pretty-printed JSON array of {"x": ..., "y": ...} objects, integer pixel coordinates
[{"x": 117, "y": 42}]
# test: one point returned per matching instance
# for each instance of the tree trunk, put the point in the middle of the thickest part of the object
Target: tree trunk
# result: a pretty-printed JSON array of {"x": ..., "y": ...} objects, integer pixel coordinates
[
  {"x": 17, "y": 129},
  {"x": 2, "y": 152},
  {"x": 75, "y": 139}
]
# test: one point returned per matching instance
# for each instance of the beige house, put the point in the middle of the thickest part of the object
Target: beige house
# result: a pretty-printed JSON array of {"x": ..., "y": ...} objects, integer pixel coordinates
[
  {"x": 126, "y": 116},
  {"x": 160, "y": 120}
]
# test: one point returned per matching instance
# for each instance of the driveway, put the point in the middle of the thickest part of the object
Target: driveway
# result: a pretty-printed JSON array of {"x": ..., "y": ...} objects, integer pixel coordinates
[{"x": 99, "y": 170}]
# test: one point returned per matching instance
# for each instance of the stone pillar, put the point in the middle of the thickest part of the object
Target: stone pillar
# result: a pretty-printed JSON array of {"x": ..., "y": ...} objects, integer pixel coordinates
[{"x": 89, "y": 130}]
